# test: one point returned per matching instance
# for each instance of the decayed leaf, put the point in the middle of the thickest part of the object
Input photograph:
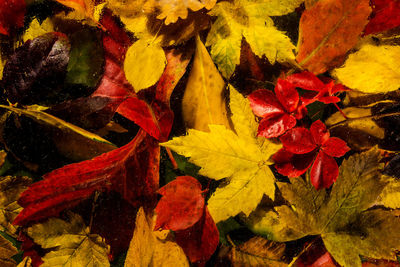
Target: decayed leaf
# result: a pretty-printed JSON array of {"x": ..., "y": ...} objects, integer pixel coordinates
[
  {"x": 248, "y": 19},
  {"x": 204, "y": 102},
  {"x": 71, "y": 243},
  {"x": 324, "y": 45},
  {"x": 144, "y": 64},
  {"x": 10, "y": 189},
  {"x": 7, "y": 250},
  {"x": 372, "y": 69},
  {"x": 242, "y": 158},
  {"x": 258, "y": 251},
  {"x": 150, "y": 248},
  {"x": 348, "y": 229},
  {"x": 36, "y": 29}
]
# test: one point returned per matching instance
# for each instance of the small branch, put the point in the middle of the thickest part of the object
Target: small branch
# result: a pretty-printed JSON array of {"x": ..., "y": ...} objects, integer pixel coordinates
[{"x": 171, "y": 158}]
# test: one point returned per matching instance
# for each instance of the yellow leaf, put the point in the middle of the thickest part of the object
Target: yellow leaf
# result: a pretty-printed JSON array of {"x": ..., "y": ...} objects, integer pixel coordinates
[
  {"x": 75, "y": 136},
  {"x": 7, "y": 250},
  {"x": 204, "y": 102},
  {"x": 390, "y": 196},
  {"x": 249, "y": 19},
  {"x": 10, "y": 189},
  {"x": 84, "y": 7},
  {"x": 144, "y": 64},
  {"x": 372, "y": 69},
  {"x": 36, "y": 29},
  {"x": 172, "y": 10},
  {"x": 2, "y": 64},
  {"x": 152, "y": 249},
  {"x": 70, "y": 242},
  {"x": 26, "y": 262},
  {"x": 241, "y": 157}
]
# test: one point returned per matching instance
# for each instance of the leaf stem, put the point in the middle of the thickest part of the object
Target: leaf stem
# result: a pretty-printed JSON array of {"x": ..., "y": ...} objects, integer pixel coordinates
[{"x": 171, "y": 158}]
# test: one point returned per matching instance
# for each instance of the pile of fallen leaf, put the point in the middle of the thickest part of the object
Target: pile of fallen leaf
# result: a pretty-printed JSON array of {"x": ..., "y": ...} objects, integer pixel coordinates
[{"x": 197, "y": 133}]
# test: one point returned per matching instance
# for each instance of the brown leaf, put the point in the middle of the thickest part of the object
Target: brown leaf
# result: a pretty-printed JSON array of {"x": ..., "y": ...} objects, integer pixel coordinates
[
  {"x": 7, "y": 250},
  {"x": 328, "y": 30}
]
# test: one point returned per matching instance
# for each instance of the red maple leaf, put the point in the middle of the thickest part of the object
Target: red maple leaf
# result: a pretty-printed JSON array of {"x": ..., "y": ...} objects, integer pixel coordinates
[
  {"x": 313, "y": 145},
  {"x": 385, "y": 16},
  {"x": 182, "y": 209},
  {"x": 280, "y": 111},
  {"x": 12, "y": 14}
]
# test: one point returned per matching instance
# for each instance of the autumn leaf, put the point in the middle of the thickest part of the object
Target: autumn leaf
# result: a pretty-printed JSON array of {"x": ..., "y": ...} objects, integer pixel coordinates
[
  {"x": 149, "y": 248},
  {"x": 257, "y": 251},
  {"x": 383, "y": 17},
  {"x": 390, "y": 195},
  {"x": 203, "y": 102},
  {"x": 324, "y": 45},
  {"x": 37, "y": 29},
  {"x": 144, "y": 64},
  {"x": 248, "y": 19},
  {"x": 241, "y": 157},
  {"x": 12, "y": 14},
  {"x": 7, "y": 250},
  {"x": 10, "y": 189},
  {"x": 375, "y": 67},
  {"x": 342, "y": 217},
  {"x": 70, "y": 243}
]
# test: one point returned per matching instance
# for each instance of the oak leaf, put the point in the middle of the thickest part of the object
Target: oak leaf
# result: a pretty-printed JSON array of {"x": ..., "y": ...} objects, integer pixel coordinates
[
  {"x": 203, "y": 102},
  {"x": 342, "y": 217},
  {"x": 149, "y": 248},
  {"x": 324, "y": 45},
  {"x": 248, "y": 19},
  {"x": 7, "y": 250},
  {"x": 372, "y": 69},
  {"x": 240, "y": 157},
  {"x": 70, "y": 242}
]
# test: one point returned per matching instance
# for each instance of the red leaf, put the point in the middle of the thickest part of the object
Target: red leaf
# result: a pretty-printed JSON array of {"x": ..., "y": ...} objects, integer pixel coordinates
[
  {"x": 335, "y": 147},
  {"x": 131, "y": 170},
  {"x": 298, "y": 141},
  {"x": 263, "y": 103},
  {"x": 306, "y": 80},
  {"x": 287, "y": 95},
  {"x": 319, "y": 132},
  {"x": 181, "y": 204},
  {"x": 385, "y": 16},
  {"x": 199, "y": 241},
  {"x": 12, "y": 13},
  {"x": 324, "y": 171},
  {"x": 30, "y": 249},
  {"x": 275, "y": 125},
  {"x": 324, "y": 261},
  {"x": 292, "y": 165}
]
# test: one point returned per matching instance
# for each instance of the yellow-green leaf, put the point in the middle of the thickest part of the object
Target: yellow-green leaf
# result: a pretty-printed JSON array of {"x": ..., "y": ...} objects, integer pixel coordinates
[
  {"x": 241, "y": 157},
  {"x": 10, "y": 189},
  {"x": 372, "y": 69},
  {"x": 70, "y": 242},
  {"x": 144, "y": 64},
  {"x": 36, "y": 29},
  {"x": 204, "y": 102},
  {"x": 7, "y": 250},
  {"x": 152, "y": 249}
]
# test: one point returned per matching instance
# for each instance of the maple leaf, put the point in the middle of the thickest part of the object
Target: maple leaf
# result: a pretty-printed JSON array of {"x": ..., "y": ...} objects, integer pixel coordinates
[
  {"x": 279, "y": 112},
  {"x": 241, "y": 157},
  {"x": 182, "y": 209},
  {"x": 317, "y": 140},
  {"x": 10, "y": 189},
  {"x": 257, "y": 251},
  {"x": 12, "y": 14},
  {"x": 374, "y": 66},
  {"x": 149, "y": 248},
  {"x": 342, "y": 217},
  {"x": 203, "y": 102},
  {"x": 7, "y": 250},
  {"x": 37, "y": 29},
  {"x": 248, "y": 19},
  {"x": 383, "y": 17},
  {"x": 70, "y": 242},
  {"x": 324, "y": 45},
  {"x": 131, "y": 170}
]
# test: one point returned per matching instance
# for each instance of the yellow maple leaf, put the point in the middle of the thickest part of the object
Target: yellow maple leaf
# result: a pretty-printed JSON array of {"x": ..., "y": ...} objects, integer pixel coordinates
[
  {"x": 203, "y": 102},
  {"x": 372, "y": 69},
  {"x": 70, "y": 242},
  {"x": 36, "y": 29},
  {"x": 240, "y": 157},
  {"x": 10, "y": 190},
  {"x": 150, "y": 248},
  {"x": 249, "y": 19},
  {"x": 144, "y": 64}
]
